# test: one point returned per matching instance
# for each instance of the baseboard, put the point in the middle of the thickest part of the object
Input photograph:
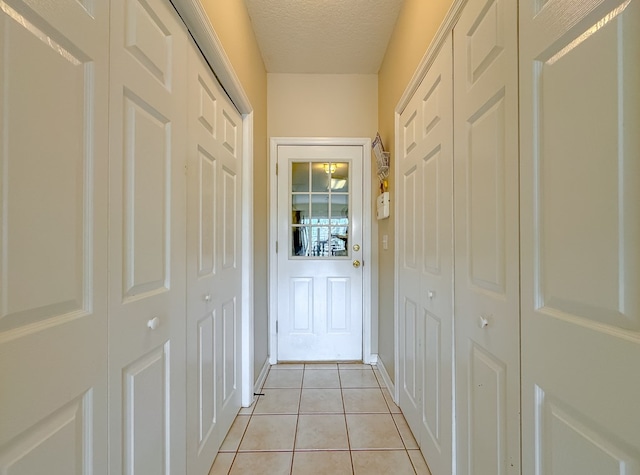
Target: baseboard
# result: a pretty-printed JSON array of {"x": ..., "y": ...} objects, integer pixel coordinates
[
  {"x": 386, "y": 378},
  {"x": 261, "y": 377}
]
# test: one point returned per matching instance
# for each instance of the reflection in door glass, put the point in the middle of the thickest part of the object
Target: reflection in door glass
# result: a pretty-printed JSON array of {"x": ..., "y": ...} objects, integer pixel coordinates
[
  {"x": 300, "y": 176},
  {"x": 319, "y": 209}
]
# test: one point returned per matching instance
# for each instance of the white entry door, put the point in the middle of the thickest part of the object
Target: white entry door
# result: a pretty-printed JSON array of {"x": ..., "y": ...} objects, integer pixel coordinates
[
  {"x": 53, "y": 246},
  {"x": 214, "y": 263},
  {"x": 580, "y": 147},
  {"x": 319, "y": 252},
  {"x": 487, "y": 290},
  {"x": 425, "y": 267},
  {"x": 147, "y": 239}
]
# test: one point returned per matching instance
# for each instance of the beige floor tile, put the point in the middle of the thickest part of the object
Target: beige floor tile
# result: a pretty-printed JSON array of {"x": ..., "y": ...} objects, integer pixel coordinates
[
  {"x": 322, "y": 463},
  {"x": 382, "y": 462},
  {"x": 269, "y": 432},
  {"x": 274, "y": 463},
  {"x": 321, "y": 401},
  {"x": 278, "y": 401},
  {"x": 313, "y": 366},
  {"x": 405, "y": 432},
  {"x": 322, "y": 378},
  {"x": 418, "y": 462},
  {"x": 287, "y": 366},
  {"x": 364, "y": 400},
  {"x": 322, "y": 432},
  {"x": 222, "y": 463},
  {"x": 354, "y": 366},
  {"x": 247, "y": 411},
  {"x": 358, "y": 378},
  {"x": 286, "y": 378},
  {"x": 392, "y": 405},
  {"x": 234, "y": 436},
  {"x": 373, "y": 431}
]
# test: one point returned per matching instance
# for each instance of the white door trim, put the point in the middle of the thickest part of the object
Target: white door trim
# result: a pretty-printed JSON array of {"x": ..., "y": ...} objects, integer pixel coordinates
[
  {"x": 369, "y": 228},
  {"x": 198, "y": 24}
]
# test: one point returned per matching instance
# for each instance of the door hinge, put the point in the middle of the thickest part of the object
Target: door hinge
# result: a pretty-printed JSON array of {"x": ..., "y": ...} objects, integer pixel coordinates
[
  {"x": 276, "y": 168},
  {"x": 276, "y": 247},
  {"x": 276, "y": 326}
]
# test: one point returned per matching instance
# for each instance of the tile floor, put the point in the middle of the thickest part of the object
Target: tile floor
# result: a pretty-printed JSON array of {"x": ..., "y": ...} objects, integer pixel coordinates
[{"x": 321, "y": 419}]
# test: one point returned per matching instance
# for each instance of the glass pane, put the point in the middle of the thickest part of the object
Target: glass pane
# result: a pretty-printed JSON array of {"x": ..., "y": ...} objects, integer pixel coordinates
[
  {"x": 300, "y": 209},
  {"x": 340, "y": 177},
  {"x": 320, "y": 246},
  {"x": 339, "y": 208},
  {"x": 340, "y": 241},
  {"x": 320, "y": 176},
  {"x": 320, "y": 208},
  {"x": 300, "y": 241},
  {"x": 300, "y": 176}
]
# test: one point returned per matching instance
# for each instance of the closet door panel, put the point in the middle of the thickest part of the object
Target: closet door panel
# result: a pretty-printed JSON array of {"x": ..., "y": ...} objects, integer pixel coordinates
[
  {"x": 147, "y": 239},
  {"x": 426, "y": 271},
  {"x": 213, "y": 263},
  {"x": 581, "y": 228},
  {"x": 486, "y": 238},
  {"x": 53, "y": 237}
]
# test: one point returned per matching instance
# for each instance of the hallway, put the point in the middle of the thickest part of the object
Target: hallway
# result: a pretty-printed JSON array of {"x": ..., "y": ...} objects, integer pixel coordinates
[{"x": 321, "y": 419}]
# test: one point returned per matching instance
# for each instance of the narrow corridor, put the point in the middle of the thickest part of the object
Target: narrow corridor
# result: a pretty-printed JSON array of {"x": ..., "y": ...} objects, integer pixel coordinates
[{"x": 321, "y": 419}]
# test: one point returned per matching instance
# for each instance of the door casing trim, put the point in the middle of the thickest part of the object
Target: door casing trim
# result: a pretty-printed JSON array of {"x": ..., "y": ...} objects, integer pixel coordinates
[{"x": 369, "y": 228}]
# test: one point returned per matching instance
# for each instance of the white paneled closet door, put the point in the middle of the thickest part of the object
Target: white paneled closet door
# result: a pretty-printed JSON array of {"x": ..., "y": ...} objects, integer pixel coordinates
[
  {"x": 53, "y": 246},
  {"x": 487, "y": 277},
  {"x": 580, "y": 148},
  {"x": 426, "y": 263},
  {"x": 147, "y": 239},
  {"x": 214, "y": 283}
]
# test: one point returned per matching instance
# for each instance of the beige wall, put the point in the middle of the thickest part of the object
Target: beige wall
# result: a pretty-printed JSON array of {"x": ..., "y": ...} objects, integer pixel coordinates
[
  {"x": 322, "y": 105},
  {"x": 416, "y": 26},
  {"x": 231, "y": 22}
]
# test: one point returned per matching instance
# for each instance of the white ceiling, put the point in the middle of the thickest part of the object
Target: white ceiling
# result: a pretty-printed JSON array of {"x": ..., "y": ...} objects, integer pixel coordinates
[{"x": 323, "y": 36}]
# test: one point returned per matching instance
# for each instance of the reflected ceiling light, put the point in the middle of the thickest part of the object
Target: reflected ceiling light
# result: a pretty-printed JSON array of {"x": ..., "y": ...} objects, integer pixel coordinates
[
  {"x": 329, "y": 169},
  {"x": 338, "y": 183}
]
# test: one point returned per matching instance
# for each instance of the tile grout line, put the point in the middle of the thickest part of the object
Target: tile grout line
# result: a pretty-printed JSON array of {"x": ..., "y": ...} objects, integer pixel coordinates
[
  {"x": 295, "y": 433},
  {"x": 346, "y": 425}
]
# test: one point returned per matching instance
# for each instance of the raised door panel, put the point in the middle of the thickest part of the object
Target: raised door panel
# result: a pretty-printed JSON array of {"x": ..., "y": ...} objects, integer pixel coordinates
[
  {"x": 487, "y": 239},
  {"x": 147, "y": 228},
  {"x": 53, "y": 216},
  {"x": 580, "y": 208}
]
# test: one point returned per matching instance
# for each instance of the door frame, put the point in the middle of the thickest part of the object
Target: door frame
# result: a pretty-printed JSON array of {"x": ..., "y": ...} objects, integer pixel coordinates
[
  {"x": 369, "y": 229},
  {"x": 195, "y": 18}
]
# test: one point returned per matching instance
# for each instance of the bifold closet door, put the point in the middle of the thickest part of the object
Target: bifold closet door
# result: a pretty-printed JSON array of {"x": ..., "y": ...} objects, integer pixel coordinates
[
  {"x": 580, "y": 148},
  {"x": 214, "y": 282},
  {"x": 487, "y": 291},
  {"x": 147, "y": 239},
  {"x": 53, "y": 237},
  {"x": 426, "y": 263}
]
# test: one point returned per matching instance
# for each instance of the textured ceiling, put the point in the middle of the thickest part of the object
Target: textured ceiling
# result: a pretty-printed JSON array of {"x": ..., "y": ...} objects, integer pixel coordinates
[{"x": 323, "y": 36}]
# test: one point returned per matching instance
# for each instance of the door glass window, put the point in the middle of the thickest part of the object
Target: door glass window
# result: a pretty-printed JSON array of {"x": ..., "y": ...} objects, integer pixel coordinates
[{"x": 319, "y": 209}]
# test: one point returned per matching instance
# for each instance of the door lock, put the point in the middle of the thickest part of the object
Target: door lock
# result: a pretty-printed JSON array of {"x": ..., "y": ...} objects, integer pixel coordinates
[
  {"x": 356, "y": 263},
  {"x": 356, "y": 247}
]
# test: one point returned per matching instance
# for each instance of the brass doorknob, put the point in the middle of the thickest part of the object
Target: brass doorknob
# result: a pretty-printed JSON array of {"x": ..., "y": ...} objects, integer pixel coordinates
[{"x": 356, "y": 263}]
